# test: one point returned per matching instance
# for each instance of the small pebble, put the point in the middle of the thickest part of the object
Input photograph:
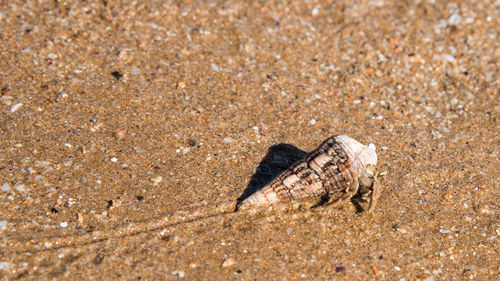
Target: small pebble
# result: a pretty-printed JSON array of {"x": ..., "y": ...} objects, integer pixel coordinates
[
  {"x": 228, "y": 262},
  {"x": 437, "y": 271},
  {"x": 312, "y": 122},
  {"x": 3, "y": 225},
  {"x": 4, "y": 265},
  {"x": 444, "y": 231},
  {"x": 63, "y": 224},
  {"x": 81, "y": 219},
  {"x": 15, "y": 107},
  {"x": 157, "y": 180},
  {"x": 402, "y": 230},
  {"x": 455, "y": 19},
  {"x": 228, "y": 140},
  {"x": 117, "y": 75},
  {"x": 178, "y": 273},
  {"x": 448, "y": 58},
  {"x": 20, "y": 187},
  {"x": 315, "y": 11},
  {"x": 340, "y": 269},
  {"x": 375, "y": 270},
  {"x": 5, "y": 187},
  {"x": 485, "y": 210},
  {"x": 114, "y": 159},
  {"x": 119, "y": 134},
  {"x": 181, "y": 85}
]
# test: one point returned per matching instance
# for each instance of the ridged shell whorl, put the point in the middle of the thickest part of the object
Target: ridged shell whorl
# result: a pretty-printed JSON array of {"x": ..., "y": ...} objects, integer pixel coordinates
[{"x": 362, "y": 155}]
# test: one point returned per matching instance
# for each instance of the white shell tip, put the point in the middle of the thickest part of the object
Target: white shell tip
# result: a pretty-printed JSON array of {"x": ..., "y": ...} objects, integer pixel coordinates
[
  {"x": 365, "y": 153},
  {"x": 371, "y": 146},
  {"x": 370, "y": 155}
]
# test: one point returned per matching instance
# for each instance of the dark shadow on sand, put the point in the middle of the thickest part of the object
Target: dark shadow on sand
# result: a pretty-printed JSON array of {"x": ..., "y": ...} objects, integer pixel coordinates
[{"x": 279, "y": 157}]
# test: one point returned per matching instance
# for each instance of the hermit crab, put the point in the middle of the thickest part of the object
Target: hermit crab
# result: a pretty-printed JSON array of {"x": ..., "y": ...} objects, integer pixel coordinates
[{"x": 339, "y": 166}]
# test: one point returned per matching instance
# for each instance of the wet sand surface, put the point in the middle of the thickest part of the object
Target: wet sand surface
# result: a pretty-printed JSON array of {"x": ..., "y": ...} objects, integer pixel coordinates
[{"x": 129, "y": 130}]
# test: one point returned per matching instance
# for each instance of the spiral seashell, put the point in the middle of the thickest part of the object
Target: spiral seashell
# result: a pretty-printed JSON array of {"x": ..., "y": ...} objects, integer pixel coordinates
[{"x": 339, "y": 164}]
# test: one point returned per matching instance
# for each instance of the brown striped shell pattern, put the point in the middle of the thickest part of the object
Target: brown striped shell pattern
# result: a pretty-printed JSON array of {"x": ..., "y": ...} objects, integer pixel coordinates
[{"x": 339, "y": 164}]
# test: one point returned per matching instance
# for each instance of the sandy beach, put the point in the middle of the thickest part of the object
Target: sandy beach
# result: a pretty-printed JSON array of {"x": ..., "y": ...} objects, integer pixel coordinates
[{"x": 130, "y": 128}]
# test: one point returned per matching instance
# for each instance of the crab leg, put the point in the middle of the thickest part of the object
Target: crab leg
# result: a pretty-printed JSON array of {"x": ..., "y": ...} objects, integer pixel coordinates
[
  {"x": 350, "y": 192},
  {"x": 375, "y": 194}
]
